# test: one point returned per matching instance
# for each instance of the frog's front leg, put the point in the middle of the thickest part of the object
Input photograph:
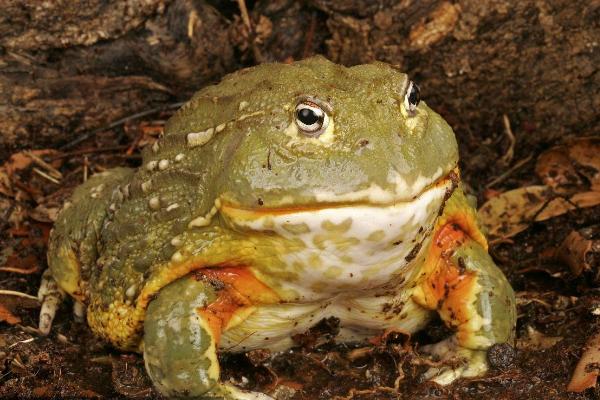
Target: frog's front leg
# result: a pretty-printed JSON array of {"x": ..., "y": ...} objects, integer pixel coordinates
[
  {"x": 181, "y": 333},
  {"x": 50, "y": 296},
  {"x": 472, "y": 296}
]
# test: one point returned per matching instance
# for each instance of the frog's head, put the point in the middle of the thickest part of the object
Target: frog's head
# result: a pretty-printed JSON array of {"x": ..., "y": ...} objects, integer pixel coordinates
[
  {"x": 344, "y": 159},
  {"x": 315, "y": 134}
]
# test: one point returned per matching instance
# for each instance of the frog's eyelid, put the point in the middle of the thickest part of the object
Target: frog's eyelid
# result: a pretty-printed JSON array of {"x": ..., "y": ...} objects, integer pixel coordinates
[
  {"x": 405, "y": 87},
  {"x": 325, "y": 106}
]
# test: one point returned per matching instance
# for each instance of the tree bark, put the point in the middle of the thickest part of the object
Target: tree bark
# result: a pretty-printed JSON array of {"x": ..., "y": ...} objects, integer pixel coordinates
[{"x": 69, "y": 67}]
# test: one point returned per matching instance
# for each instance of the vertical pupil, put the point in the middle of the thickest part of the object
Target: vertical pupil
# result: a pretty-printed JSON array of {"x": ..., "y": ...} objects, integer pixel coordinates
[{"x": 307, "y": 116}]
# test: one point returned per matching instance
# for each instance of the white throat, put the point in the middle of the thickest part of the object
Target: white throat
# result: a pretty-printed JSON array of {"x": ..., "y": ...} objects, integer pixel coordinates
[{"x": 337, "y": 249}]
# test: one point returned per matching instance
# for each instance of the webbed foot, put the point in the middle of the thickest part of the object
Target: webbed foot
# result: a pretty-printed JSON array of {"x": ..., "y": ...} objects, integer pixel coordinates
[{"x": 51, "y": 296}]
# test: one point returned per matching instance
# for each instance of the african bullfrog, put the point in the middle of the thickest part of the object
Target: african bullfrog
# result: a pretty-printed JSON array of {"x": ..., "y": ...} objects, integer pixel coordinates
[{"x": 285, "y": 194}]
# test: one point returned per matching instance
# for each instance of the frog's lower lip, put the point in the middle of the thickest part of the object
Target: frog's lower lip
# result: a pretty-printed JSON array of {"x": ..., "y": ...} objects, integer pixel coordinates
[{"x": 450, "y": 180}]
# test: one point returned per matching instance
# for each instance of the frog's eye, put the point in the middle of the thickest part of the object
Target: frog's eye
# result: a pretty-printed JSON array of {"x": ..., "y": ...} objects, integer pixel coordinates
[
  {"x": 412, "y": 97},
  {"x": 311, "y": 118}
]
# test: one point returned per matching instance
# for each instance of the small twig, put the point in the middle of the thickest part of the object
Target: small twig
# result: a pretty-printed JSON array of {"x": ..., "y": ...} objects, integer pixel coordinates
[
  {"x": 135, "y": 143},
  {"x": 27, "y": 271},
  {"x": 510, "y": 171},
  {"x": 45, "y": 175},
  {"x": 251, "y": 34},
  {"x": 508, "y": 156},
  {"x": 17, "y": 294},
  {"x": 85, "y": 168},
  {"x": 21, "y": 342},
  {"x": 192, "y": 19},
  {"x": 245, "y": 15},
  {"x": 353, "y": 392},
  {"x": 51, "y": 170},
  {"x": 118, "y": 122},
  {"x": 89, "y": 151}
]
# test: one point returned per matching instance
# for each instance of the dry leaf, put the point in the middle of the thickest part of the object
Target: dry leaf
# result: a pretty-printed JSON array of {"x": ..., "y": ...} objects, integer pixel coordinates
[
  {"x": 10, "y": 301},
  {"x": 22, "y": 160},
  {"x": 511, "y": 212},
  {"x": 7, "y": 316},
  {"x": 559, "y": 205},
  {"x": 536, "y": 340},
  {"x": 435, "y": 27},
  {"x": 586, "y": 153},
  {"x": 588, "y": 367},
  {"x": 573, "y": 252},
  {"x": 564, "y": 167},
  {"x": 556, "y": 170}
]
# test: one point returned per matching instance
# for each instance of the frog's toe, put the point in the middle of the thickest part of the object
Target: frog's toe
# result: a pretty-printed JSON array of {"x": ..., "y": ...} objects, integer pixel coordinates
[
  {"x": 461, "y": 362},
  {"x": 230, "y": 392},
  {"x": 441, "y": 350},
  {"x": 79, "y": 311},
  {"x": 246, "y": 395},
  {"x": 50, "y": 295}
]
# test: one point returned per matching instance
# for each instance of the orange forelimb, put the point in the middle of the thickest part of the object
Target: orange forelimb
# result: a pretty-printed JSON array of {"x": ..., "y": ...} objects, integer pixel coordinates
[
  {"x": 240, "y": 289},
  {"x": 445, "y": 286}
]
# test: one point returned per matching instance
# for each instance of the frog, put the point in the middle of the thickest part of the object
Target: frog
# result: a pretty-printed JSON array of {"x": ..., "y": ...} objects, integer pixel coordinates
[{"x": 283, "y": 195}]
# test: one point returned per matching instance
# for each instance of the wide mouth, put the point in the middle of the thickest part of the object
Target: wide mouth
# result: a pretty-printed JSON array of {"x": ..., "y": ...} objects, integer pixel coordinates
[{"x": 449, "y": 182}]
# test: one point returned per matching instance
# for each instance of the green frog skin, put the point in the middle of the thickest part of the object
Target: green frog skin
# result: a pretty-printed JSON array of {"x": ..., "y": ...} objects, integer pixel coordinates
[{"x": 285, "y": 194}]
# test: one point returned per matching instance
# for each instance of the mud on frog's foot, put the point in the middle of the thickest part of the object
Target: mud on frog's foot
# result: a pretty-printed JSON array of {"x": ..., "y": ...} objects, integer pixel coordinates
[
  {"x": 50, "y": 295},
  {"x": 462, "y": 362}
]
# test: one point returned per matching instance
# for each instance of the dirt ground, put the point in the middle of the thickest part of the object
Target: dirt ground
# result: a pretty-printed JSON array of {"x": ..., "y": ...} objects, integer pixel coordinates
[{"x": 531, "y": 160}]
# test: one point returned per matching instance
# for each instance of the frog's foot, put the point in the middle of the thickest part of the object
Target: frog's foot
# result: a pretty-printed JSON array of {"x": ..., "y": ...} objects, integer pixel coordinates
[
  {"x": 79, "y": 311},
  {"x": 229, "y": 392},
  {"x": 460, "y": 361},
  {"x": 180, "y": 344},
  {"x": 50, "y": 295}
]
